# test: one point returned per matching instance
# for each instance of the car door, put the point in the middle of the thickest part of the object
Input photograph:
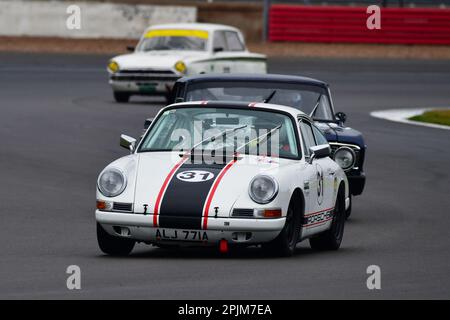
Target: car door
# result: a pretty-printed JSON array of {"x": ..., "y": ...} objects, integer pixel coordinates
[
  {"x": 329, "y": 170},
  {"x": 220, "y": 61},
  {"x": 317, "y": 216},
  {"x": 310, "y": 180},
  {"x": 236, "y": 53}
]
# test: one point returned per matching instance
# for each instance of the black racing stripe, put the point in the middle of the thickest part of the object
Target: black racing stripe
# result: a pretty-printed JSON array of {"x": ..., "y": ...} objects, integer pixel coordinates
[{"x": 182, "y": 204}]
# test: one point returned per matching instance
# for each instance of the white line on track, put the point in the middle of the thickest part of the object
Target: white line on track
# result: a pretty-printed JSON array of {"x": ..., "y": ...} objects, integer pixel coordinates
[{"x": 402, "y": 115}]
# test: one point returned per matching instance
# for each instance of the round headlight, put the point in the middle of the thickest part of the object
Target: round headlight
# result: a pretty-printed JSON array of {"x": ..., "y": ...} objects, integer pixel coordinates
[
  {"x": 263, "y": 189},
  {"x": 345, "y": 158},
  {"x": 113, "y": 67},
  {"x": 180, "y": 66},
  {"x": 111, "y": 182}
]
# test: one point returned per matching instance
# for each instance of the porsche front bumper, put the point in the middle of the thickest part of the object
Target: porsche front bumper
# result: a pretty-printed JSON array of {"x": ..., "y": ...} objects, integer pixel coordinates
[{"x": 235, "y": 230}]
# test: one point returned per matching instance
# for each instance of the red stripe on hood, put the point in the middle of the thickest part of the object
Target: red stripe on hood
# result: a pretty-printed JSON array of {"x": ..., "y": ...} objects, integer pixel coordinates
[
  {"x": 212, "y": 191},
  {"x": 163, "y": 190}
]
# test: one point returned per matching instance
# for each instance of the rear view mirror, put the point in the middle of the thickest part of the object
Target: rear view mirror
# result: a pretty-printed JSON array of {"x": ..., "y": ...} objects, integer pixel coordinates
[
  {"x": 127, "y": 142},
  {"x": 130, "y": 48},
  {"x": 341, "y": 116},
  {"x": 320, "y": 151},
  {"x": 218, "y": 49}
]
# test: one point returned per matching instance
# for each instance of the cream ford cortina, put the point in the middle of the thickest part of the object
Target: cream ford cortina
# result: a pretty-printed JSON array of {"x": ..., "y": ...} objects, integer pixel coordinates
[{"x": 167, "y": 52}]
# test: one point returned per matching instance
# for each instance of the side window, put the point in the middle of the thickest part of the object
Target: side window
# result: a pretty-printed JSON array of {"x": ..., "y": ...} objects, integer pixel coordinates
[
  {"x": 219, "y": 41},
  {"x": 320, "y": 137},
  {"x": 233, "y": 41},
  {"x": 307, "y": 136}
]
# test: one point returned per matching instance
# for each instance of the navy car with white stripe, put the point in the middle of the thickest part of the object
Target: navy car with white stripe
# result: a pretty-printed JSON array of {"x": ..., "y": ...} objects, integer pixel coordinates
[
  {"x": 223, "y": 173},
  {"x": 311, "y": 96}
]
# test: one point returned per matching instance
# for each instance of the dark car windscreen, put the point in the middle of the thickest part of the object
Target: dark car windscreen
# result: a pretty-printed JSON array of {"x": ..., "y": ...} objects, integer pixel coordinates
[{"x": 303, "y": 97}]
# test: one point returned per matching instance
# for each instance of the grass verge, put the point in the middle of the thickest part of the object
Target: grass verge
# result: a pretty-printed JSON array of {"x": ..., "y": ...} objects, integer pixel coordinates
[{"x": 434, "y": 116}]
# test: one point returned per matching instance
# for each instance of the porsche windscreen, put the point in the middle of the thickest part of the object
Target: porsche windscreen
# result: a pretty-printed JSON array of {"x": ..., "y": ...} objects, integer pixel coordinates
[
  {"x": 232, "y": 130},
  {"x": 312, "y": 100},
  {"x": 186, "y": 40}
]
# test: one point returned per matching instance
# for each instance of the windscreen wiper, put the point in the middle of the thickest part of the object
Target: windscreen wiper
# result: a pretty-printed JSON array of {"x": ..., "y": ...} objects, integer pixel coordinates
[
  {"x": 266, "y": 100},
  {"x": 315, "y": 107}
]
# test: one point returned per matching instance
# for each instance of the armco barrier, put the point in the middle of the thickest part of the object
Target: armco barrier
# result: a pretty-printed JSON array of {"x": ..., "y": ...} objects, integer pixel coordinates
[{"x": 348, "y": 24}]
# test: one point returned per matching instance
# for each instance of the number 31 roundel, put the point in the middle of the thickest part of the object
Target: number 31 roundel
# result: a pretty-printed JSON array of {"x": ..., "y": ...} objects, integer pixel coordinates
[{"x": 195, "y": 176}]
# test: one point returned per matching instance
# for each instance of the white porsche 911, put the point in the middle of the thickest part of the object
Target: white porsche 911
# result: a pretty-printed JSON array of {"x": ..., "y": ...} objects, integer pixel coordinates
[
  {"x": 167, "y": 52},
  {"x": 223, "y": 173}
]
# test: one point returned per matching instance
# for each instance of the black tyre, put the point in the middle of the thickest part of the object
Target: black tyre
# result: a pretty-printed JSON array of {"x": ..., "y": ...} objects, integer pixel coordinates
[
  {"x": 113, "y": 246},
  {"x": 284, "y": 245},
  {"x": 348, "y": 211},
  {"x": 332, "y": 238},
  {"x": 122, "y": 97}
]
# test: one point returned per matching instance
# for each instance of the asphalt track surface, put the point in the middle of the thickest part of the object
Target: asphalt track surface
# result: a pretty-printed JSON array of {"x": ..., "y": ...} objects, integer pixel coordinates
[{"x": 59, "y": 127}]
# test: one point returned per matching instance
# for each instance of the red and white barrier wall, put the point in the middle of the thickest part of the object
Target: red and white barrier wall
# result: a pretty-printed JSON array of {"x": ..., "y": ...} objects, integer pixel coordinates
[{"x": 348, "y": 25}]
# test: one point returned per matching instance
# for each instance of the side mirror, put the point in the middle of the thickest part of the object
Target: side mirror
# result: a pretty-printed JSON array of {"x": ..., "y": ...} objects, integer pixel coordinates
[
  {"x": 342, "y": 117},
  {"x": 218, "y": 49},
  {"x": 127, "y": 142},
  {"x": 131, "y": 48},
  {"x": 318, "y": 152},
  {"x": 147, "y": 123}
]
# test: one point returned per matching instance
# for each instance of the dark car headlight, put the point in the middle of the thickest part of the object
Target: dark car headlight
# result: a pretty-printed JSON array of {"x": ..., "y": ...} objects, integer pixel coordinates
[{"x": 345, "y": 157}]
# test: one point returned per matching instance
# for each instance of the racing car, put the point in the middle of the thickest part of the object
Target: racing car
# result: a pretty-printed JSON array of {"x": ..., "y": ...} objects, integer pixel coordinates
[
  {"x": 170, "y": 51},
  {"x": 308, "y": 95},
  {"x": 216, "y": 173}
]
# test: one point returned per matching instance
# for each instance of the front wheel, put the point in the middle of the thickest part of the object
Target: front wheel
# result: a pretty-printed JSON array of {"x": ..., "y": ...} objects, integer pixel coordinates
[
  {"x": 284, "y": 245},
  {"x": 113, "y": 246},
  {"x": 121, "y": 97},
  {"x": 332, "y": 238}
]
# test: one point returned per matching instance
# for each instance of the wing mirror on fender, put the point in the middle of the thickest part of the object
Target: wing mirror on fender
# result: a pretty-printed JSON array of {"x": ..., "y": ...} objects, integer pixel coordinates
[
  {"x": 341, "y": 116},
  {"x": 127, "y": 142},
  {"x": 317, "y": 152}
]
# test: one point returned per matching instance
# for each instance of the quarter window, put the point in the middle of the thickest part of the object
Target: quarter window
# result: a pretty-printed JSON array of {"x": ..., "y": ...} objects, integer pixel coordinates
[
  {"x": 219, "y": 41},
  {"x": 320, "y": 138},
  {"x": 307, "y": 136},
  {"x": 233, "y": 41}
]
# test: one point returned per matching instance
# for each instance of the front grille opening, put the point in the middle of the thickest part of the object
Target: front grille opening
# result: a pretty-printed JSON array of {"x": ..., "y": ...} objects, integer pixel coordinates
[
  {"x": 123, "y": 207},
  {"x": 242, "y": 213},
  {"x": 147, "y": 71}
]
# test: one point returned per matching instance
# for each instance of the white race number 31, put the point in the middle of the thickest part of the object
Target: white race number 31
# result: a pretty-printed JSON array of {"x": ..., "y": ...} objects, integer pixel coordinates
[{"x": 195, "y": 176}]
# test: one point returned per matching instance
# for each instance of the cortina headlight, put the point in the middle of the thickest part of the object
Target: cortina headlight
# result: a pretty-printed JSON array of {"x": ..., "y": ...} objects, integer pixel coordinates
[
  {"x": 263, "y": 189},
  {"x": 113, "y": 66},
  {"x": 345, "y": 157},
  {"x": 180, "y": 66},
  {"x": 111, "y": 182}
]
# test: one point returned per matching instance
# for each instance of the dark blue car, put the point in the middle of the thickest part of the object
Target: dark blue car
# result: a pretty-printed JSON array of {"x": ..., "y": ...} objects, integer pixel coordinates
[{"x": 311, "y": 96}]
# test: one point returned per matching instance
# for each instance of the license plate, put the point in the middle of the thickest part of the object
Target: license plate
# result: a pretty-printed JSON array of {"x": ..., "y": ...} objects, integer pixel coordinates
[
  {"x": 147, "y": 87},
  {"x": 181, "y": 235}
]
